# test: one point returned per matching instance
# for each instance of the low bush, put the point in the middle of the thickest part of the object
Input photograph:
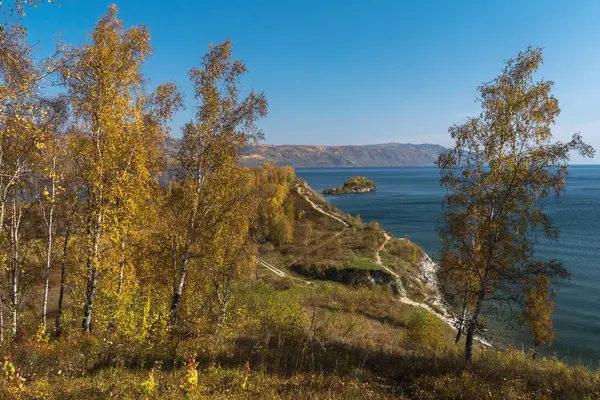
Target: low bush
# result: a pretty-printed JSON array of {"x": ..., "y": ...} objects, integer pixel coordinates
[{"x": 425, "y": 332}]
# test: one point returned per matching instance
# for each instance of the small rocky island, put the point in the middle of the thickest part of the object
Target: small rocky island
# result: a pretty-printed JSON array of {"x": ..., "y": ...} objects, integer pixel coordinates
[{"x": 357, "y": 184}]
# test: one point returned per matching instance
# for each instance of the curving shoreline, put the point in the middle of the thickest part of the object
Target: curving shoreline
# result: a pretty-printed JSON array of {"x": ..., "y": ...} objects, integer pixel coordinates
[{"x": 428, "y": 277}]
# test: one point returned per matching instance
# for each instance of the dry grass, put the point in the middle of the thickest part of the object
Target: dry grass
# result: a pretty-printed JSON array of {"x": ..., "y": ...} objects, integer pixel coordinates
[
  {"x": 290, "y": 340},
  {"x": 285, "y": 339}
]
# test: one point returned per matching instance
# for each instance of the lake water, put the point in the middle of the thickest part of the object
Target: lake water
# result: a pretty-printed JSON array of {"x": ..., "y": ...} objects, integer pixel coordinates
[{"x": 407, "y": 203}]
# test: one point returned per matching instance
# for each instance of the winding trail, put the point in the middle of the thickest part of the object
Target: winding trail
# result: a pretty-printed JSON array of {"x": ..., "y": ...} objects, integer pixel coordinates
[
  {"x": 319, "y": 208},
  {"x": 279, "y": 272},
  {"x": 378, "y": 256},
  {"x": 402, "y": 299},
  {"x": 268, "y": 266}
]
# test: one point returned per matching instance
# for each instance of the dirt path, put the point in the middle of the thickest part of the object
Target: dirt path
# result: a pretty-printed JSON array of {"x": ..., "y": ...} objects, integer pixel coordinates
[
  {"x": 404, "y": 299},
  {"x": 319, "y": 208},
  {"x": 279, "y": 272},
  {"x": 443, "y": 318},
  {"x": 378, "y": 256},
  {"x": 268, "y": 266}
]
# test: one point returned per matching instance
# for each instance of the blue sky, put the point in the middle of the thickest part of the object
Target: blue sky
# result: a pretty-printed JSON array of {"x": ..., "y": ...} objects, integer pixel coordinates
[{"x": 359, "y": 72}]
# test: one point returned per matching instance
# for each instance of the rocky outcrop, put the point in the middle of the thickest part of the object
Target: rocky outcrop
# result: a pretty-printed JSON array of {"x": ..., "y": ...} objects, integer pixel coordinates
[
  {"x": 348, "y": 276},
  {"x": 358, "y": 184}
]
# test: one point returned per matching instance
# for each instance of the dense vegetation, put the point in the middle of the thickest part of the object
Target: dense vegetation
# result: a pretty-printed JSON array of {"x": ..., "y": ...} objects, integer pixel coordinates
[
  {"x": 357, "y": 184},
  {"x": 122, "y": 280}
]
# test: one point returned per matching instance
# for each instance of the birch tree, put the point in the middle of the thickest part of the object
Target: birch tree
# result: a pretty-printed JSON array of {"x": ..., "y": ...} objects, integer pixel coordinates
[
  {"x": 49, "y": 181},
  {"x": 537, "y": 312},
  {"x": 132, "y": 203},
  {"x": 106, "y": 88},
  {"x": 504, "y": 164},
  {"x": 276, "y": 208},
  {"x": 21, "y": 115},
  {"x": 20, "y": 145},
  {"x": 69, "y": 203},
  {"x": 228, "y": 251},
  {"x": 21, "y": 142},
  {"x": 224, "y": 124}
]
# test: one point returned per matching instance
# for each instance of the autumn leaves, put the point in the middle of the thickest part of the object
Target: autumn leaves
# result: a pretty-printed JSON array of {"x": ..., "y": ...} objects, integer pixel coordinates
[
  {"x": 503, "y": 164},
  {"x": 87, "y": 165}
]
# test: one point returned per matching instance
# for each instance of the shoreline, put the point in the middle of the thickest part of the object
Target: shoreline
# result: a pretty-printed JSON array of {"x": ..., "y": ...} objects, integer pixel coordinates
[
  {"x": 428, "y": 275},
  {"x": 429, "y": 278},
  {"x": 406, "y": 203}
]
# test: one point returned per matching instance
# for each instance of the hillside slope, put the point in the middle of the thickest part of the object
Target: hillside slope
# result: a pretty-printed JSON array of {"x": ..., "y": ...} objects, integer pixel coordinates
[
  {"x": 335, "y": 313},
  {"x": 301, "y": 156},
  {"x": 341, "y": 248}
]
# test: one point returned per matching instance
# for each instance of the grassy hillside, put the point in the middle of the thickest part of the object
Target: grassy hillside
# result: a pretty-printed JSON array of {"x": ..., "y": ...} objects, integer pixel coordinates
[
  {"x": 294, "y": 340},
  {"x": 293, "y": 333},
  {"x": 329, "y": 244}
]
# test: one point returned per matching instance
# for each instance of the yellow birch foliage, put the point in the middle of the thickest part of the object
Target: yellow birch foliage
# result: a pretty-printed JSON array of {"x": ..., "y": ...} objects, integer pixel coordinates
[
  {"x": 276, "y": 208},
  {"x": 214, "y": 183},
  {"x": 503, "y": 165},
  {"x": 120, "y": 128},
  {"x": 538, "y": 311}
]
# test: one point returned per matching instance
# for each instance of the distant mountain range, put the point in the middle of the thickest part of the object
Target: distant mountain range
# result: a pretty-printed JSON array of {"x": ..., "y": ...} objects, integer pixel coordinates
[{"x": 299, "y": 156}]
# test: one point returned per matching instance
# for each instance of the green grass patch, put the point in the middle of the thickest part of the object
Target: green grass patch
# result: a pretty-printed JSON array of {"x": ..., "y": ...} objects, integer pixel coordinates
[{"x": 364, "y": 262}]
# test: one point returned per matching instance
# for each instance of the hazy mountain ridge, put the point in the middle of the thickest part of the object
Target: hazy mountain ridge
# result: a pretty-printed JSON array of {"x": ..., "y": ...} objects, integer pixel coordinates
[{"x": 299, "y": 156}]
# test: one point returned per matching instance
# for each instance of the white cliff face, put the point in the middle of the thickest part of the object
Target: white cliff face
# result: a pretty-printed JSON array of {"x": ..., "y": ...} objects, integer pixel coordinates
[{"x": 428, "y": 274}]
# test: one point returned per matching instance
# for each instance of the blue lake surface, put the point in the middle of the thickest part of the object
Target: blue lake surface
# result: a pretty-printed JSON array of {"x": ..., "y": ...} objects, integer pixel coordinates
[{"x": 407, "y": 202}]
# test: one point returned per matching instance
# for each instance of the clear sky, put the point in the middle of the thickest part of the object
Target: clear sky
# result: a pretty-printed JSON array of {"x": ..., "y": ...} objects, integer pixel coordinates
[{"x": 360, "y": 72}]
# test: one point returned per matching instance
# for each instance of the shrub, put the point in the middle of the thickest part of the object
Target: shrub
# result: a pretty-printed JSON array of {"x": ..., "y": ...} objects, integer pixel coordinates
[
  {"x": 405, "y": 250},
  {"x": 425, "y": 332},
  {"x": 275, "y": 310},
  {"x": 356, "y": 221}
]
